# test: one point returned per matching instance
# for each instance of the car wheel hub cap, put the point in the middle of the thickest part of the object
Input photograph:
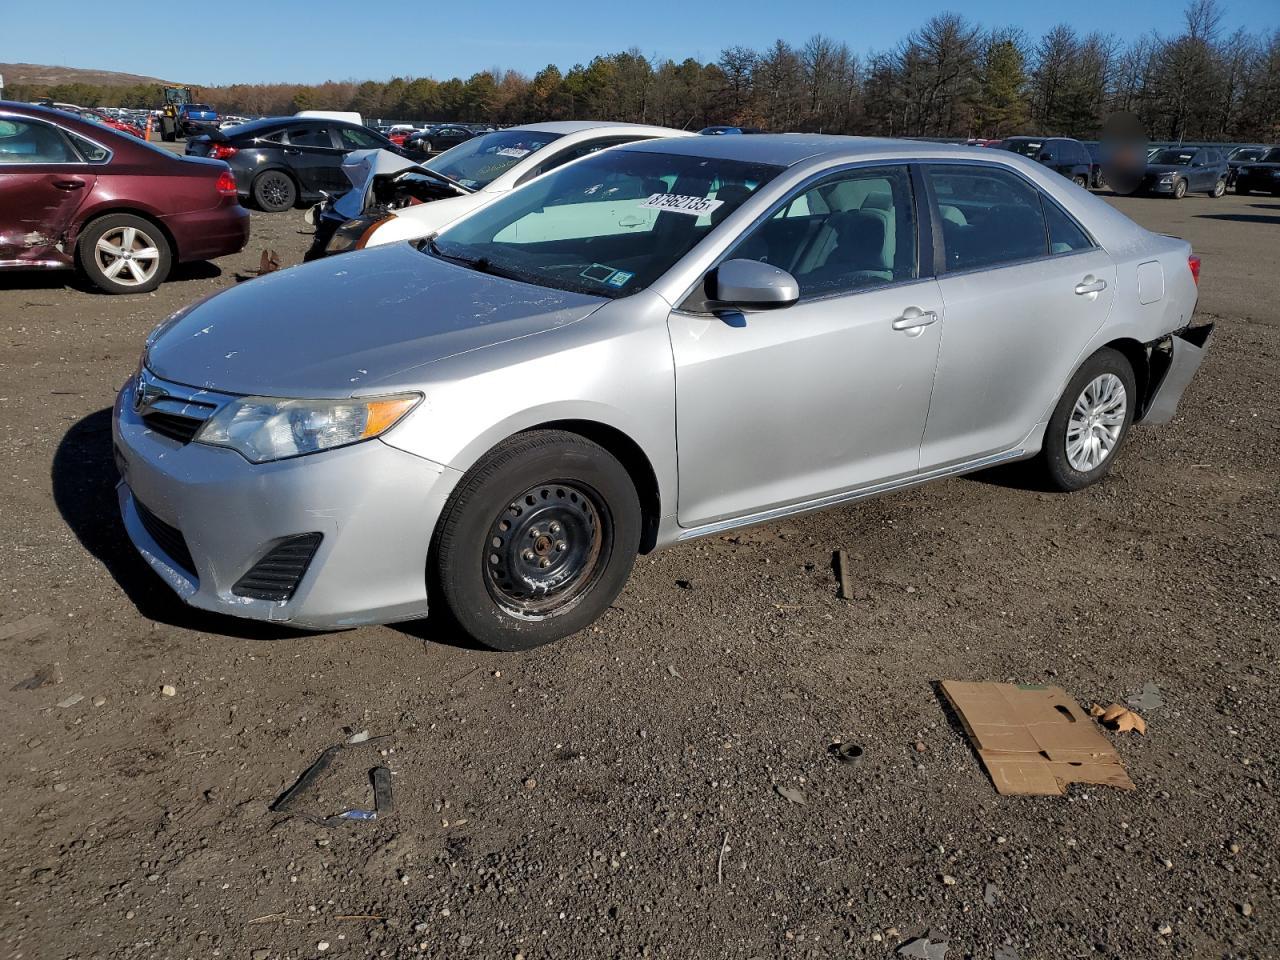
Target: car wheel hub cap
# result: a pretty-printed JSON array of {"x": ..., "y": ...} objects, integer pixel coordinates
[
  {"x": 1096, "y": 421},
  {"x": 127, "y": 255},
  {"x": 545, "y": 549}
]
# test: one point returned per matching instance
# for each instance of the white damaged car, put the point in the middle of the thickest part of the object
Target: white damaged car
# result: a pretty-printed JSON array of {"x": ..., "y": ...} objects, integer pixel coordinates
[{"x": 393, "y": 198}]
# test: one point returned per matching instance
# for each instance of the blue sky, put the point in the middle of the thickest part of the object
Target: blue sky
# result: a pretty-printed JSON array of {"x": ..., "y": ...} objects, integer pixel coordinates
[{"x": 290, "y": 40}]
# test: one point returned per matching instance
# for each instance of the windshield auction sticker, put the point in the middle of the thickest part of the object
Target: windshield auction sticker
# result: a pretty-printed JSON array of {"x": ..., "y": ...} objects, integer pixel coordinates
[{"x": 676, "y": 203}]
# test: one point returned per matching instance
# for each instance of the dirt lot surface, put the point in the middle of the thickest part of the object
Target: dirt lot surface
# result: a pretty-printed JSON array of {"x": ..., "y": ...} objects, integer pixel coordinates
[{"x": 617, "y": 794}]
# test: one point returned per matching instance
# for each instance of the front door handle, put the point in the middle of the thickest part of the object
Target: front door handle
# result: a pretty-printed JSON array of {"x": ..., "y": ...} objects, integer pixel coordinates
[
  {"x": 69, "y": 184},
  {"x": 292, "y": 151},
  {"x": 913, "y": 319},
  {"x": 1090, "y": 285}
]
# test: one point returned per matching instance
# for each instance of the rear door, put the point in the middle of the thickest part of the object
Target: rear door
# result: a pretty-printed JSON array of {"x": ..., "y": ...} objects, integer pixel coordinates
[
  {"x": 315, "y": 156},
  {"x": 1024, "y": 288},
  {"x": 43, "y": 181}
]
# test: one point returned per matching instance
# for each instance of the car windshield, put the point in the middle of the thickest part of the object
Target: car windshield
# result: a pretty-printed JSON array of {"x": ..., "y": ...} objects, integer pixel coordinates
[
  {"x": 478, "y": 162},
  {"x": 1027, "y": 148},
  {"x": 200, "y": 107},
  {"x": 1174, "y": 158},
  {"x": 1272, "y": 156},
  {"x": 608, "y": 225},
  {"x": 1246, "y": 153}
]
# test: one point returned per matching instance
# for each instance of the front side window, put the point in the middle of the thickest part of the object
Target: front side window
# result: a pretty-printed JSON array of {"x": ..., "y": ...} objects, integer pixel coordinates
[
  {"x": 30, "y": 141},
  {"x": 609, "y": 225},
  {"x": 354, "y": 138},
  {"x": 849, "y": 232},
  {"x": 477, "y": 162},
  {"x": 1245, "y": 153},
  {"x": 1025, "y": 148},
  {"x": 988, "y": 216},
  {"x": 310, "y": 137}
]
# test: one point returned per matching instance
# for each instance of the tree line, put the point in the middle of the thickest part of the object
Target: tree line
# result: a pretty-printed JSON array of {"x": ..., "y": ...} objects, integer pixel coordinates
[{"x": 949, "y": 78}]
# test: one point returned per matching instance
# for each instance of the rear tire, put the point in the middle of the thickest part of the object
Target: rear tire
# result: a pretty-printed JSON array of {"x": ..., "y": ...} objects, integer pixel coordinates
[
  {"x": 536, "y": 541},
  {"x": 1090, "y": 422},
  {"x": 1080, "y": 180},
  {"x": 274, "y": 191},
  {"x": 122, "y": 253}
]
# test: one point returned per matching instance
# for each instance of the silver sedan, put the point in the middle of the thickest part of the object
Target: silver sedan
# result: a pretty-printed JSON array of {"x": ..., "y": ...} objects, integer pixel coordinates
[{"x": 651, "y": 344}]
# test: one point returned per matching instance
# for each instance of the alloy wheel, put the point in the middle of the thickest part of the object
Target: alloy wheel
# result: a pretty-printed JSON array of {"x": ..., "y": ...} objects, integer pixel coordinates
[
  {"x": 1097, "y": 420},
  {"x": 127, "y": 255},
  {"x": 275, "y": 190},
  {"x": 546, "y": 549}
]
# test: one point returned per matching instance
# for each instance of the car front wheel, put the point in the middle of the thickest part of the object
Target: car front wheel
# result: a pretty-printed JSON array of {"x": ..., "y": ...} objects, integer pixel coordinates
[
  {"x": 1219, "y": 189},
  {"x": 1090, "y": 421},
  {"x": 273, "y": 191},
  {"x": 1179, "y": 189},
  {"x": 122, "y": 253},
  {"x": 536, "y": 541}
]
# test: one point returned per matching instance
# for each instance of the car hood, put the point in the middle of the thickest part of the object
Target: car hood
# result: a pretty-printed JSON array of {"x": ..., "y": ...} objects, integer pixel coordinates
[
  {"x": 337, "y": 327},
  {"x": 363, "y": 168}
]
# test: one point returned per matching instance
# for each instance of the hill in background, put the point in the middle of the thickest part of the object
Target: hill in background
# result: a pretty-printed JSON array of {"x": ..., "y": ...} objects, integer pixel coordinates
[{"x": 43, "y": 75}]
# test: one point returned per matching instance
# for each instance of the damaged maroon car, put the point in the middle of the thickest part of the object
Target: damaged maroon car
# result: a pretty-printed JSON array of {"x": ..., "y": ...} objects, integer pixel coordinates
[{"x": 75, "y": 194}]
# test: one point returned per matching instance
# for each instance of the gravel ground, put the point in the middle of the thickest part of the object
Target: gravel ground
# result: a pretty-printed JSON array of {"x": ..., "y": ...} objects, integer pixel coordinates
[{"x": 617, "y": 794}]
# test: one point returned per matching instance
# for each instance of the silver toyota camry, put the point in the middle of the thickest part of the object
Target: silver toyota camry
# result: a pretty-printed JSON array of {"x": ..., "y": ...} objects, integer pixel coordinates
[{"x": 651, "y": 344}]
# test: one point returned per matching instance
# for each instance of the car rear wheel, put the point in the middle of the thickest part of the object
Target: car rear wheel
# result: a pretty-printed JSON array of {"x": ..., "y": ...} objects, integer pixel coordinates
[
  {"x": 1080, "y": 180},
  {"x": 1219, "y": 189},
  {"x": 122, "y": 253},
  {"x": 1090, "y": 421},
  {"x": 536, "y": 541},
  {"x": 274, "y": 191},
  {"x": 1179, "y": 189}
]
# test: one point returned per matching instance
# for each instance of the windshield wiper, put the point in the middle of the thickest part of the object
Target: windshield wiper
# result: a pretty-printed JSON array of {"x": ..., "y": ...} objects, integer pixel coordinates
[{"x": 479, "y": 264}]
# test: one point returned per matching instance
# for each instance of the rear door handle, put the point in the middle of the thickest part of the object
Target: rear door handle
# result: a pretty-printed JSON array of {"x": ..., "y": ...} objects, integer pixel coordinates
[
  {"x": 69, "y": 184},
  {"x": 1090, "y": 285},
  {"x": 913, "y": 319}
]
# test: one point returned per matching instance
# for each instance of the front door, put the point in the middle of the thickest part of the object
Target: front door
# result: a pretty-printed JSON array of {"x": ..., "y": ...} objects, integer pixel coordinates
[
  {"x": 42, "y": 183},
  {"x": 830, "y": 394},
  {"x": 1024, "y": 291},
  {"x": 316, "y": 158}
]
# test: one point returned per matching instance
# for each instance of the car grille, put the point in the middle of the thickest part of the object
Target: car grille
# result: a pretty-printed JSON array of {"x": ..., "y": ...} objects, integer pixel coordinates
[
  {"x": 175, "y": 426},
  {"x": 167, "y": 538},
  {"x": 277, "y": 575}
]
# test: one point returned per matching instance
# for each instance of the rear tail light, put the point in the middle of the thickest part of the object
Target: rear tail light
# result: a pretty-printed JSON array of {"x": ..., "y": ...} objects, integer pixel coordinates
[
  {"x": 1194, "y": 263},
  {"x": 226, "y": 184},
  {"x": 220, "y": 151}
]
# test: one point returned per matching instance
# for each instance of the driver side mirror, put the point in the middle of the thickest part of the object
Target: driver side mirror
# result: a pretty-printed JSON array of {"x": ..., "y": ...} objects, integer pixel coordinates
[{"x": 752, "y": 285}]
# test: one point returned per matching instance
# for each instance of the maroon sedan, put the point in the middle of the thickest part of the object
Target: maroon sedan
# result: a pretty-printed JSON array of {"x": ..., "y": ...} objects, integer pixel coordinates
[{"x": 74, "y": 193}]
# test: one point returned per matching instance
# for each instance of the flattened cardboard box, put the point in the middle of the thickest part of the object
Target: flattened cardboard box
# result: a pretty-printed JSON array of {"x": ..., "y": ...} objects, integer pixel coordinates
[{"x": 1034, "y": 740}]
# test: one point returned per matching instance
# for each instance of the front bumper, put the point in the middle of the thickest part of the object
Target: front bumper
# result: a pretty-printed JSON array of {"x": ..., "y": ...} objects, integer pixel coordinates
[{"x": 376, "y": 507}]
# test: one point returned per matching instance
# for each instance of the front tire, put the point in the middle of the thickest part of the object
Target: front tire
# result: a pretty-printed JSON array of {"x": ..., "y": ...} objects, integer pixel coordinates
[
  {"x": 122, "y": 253},
  {"x": 1179, "y": 189},
  {"x": 536, "y": 541},
  {"x": 1219, "y": 189},
  {"x": 274, "y": 191},
  {"x": 1090, "y": 422}
]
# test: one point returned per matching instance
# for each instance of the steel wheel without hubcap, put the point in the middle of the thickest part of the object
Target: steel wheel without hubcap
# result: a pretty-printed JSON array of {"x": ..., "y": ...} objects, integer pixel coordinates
[
  {"x": 1096, "y": 422},
  {"x": 544, "y": 549},
  {"x": 127, "y": 255}
]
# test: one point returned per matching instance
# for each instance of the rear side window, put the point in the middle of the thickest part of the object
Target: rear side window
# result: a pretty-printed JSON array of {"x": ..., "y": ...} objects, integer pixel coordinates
[
  {"x": 1064, "y": 235},
  {"x": 90, "y": 151},
  {"x": 310, "y": 137},
  {"x": 30, "y": 141},
  {"x": 988, "y": 216}
]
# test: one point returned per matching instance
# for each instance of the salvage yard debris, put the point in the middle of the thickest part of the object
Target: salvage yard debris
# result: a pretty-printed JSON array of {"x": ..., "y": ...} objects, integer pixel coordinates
[
  {"x": 1119, "y": 718},
  {"x": 1033, "y": 739},
  {"x": 1149, "y": 699},
  {"x": 380, "y": 777}
]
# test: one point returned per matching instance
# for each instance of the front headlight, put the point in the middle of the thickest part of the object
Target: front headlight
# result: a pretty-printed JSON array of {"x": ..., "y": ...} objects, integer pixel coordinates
[
  {"x": 354, "y": 234},
  {"x": 268, "y": 428},
  {"x": 1167, "y": 178}
]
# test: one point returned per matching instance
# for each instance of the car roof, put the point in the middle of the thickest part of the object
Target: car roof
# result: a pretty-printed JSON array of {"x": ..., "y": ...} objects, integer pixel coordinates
[
  {"x": 788, "y": 149},
  {"x": 564, "y": 127}
]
